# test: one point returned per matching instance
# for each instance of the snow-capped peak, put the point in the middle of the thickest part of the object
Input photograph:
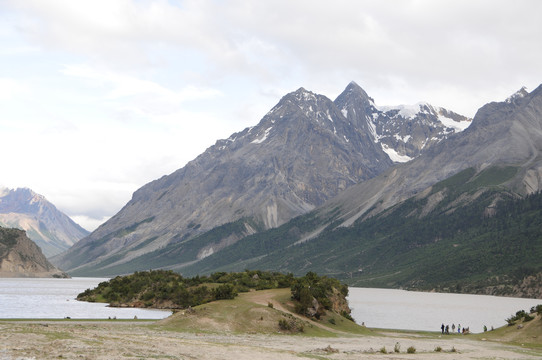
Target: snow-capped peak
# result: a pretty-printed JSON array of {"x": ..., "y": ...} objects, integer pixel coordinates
[
  {"x": 406, "y": 111},
  {"x": 4, "y": 191},
  {"x": 518, "y": 94}
]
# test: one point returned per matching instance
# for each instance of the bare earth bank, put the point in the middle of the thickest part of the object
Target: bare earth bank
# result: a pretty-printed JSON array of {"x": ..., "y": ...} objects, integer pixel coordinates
[{"x": 142, "y": 340}]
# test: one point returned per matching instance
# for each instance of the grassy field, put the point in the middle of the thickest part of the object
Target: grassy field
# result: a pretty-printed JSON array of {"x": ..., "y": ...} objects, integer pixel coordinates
[{"x": 257, "y": 312}]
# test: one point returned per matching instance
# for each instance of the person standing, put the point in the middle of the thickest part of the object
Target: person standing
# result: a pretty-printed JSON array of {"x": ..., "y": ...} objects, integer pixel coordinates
[{"x": 442, "y": 329}]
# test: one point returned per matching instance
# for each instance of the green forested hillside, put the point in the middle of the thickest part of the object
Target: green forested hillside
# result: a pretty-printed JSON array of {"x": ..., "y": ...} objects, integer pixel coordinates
[
  {"x": 465, "y": 234},
  {"x": 477, "y": 234}
]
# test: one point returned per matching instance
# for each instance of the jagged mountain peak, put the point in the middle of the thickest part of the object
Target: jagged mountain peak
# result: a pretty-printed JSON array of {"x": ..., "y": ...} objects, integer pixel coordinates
[
  {"x": 304, "y": 151},
  {"x": 353, "y": 89},
  {"x": 521, "y": 93},
  {"x": 498, "y": 114},
  {"x": 52, "y": 230},
  {"x": 353, "y": 95},
  {"x": 22, "y": 199},
  {"x": 303, "y": 95}
]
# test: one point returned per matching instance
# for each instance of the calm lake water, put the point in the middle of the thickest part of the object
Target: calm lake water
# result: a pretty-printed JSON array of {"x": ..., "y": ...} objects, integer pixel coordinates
[
  {"x": 411, "y": 310},
  {"x": 377, "y": 308},
  {"x": 55, "y": 299}
]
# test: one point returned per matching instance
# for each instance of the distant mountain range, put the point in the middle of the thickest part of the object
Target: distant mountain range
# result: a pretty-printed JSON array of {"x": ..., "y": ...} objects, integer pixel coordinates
[
  {"x": 305, "y": 151},
  {"x": 52, "y": 230},
  {"x": 21, "y": 257}
]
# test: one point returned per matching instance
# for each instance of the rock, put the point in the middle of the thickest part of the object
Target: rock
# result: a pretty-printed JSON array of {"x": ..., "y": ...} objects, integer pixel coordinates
[{"x": 21, "y": 257}]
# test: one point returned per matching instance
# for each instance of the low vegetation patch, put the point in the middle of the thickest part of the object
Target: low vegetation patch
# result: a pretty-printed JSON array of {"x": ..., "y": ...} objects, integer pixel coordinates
[
  {"x": 167, "y": 289},
  {"x": 315, "y": 295},
  {"x": 520, "y": 316},
  {"x": 312, "y": 295}
]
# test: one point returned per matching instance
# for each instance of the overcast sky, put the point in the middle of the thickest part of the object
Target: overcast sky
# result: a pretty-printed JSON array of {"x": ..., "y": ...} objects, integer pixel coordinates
[{"x": 99, "y": 97}]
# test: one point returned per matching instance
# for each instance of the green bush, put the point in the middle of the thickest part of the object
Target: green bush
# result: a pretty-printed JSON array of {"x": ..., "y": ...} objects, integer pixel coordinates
[
  {"x": 520, "y": 315},
  {"x": 411, "y": 350},
  {"x": 346, "y": 315},
  {"x": 311, "y": 286},
  {"x": 284, "y": 325}
]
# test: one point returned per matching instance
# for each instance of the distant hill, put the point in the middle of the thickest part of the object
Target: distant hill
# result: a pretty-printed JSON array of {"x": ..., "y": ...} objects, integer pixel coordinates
[
  {"x": 304, "y": 151},
  {"x": 52, "y": 230},
  {"x": 21, "y": 257}
]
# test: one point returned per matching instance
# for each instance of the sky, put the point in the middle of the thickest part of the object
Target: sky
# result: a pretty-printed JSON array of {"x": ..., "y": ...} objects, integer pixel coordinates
[{"x": 100, "y": 97}]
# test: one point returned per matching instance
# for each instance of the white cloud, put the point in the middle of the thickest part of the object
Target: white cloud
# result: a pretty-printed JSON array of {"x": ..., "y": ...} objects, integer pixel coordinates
[
  {"x": 10, "y": 88},
  {"x": 122, "y": 85},
  {"x": 100, "y": 97}
]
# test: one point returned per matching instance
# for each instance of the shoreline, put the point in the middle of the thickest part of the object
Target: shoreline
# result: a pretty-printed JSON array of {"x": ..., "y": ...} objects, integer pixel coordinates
[{"x": 106, "y": 339}]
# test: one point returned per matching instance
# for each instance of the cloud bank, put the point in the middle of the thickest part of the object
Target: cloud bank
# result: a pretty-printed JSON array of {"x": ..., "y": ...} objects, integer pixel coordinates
[{"x": 99, "y": 97}]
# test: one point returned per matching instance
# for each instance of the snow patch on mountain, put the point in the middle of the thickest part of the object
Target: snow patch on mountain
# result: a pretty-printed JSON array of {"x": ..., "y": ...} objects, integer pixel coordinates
[
  {"x": 457, "y": 126},
  {"x": 406, "y": 111},
  {"x": 394, "y": 155},
  {"x": 265, "y": 135},
  {"x": 517, "y": 95}
]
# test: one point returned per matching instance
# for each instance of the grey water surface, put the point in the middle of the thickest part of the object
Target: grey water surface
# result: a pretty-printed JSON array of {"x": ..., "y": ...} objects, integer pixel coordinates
[
  {"x": 412, "y": 310},
  {"x": 32, "y": 298}
]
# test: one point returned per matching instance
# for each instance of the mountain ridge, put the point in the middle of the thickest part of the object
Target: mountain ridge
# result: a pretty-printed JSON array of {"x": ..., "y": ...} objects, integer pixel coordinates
[
  {"x": 463, "y": 217},
  {"x": 21, "y": 257},
  {"x": 304, "y": 151},
  {"x": 52, "y": 230}
]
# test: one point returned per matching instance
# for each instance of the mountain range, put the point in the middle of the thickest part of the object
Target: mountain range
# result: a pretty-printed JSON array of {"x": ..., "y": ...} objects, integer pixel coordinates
[
  {"x": 305, "y": 151},
  {"x": 465, "y": 215},
  {"x": 52, "y": 230}
]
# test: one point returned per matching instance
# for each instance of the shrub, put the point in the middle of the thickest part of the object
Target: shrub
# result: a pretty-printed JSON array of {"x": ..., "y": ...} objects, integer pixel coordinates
[
  {"x": 411, "y": 350},
  {"x": 291, "y": 325},
  {"x": 332, "y": 321},
  {"x": 224, "y": 292},
  {"x": 284, "y": 325},
  {"x": 519, "y": 316},
  {"x": 537, "y": 309},
  {"x": 346, "y": 315},
  {"x": 438, "y": 349},
  {"x": 383, "y": 350},
  {"x": 270, "y": 304}
]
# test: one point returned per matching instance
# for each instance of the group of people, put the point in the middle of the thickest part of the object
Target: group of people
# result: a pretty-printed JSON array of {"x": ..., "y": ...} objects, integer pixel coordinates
[{"x": 460, "y": 330}]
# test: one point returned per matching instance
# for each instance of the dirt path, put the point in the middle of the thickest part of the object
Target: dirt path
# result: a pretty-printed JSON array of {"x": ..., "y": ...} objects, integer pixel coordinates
[
  {"x": 118, "y": 340},
  {"x": 265, "y": 297}
]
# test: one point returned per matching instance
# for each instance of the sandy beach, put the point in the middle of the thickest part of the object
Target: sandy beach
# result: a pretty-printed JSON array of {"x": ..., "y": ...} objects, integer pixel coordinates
[{"x": 144, "y": 340}]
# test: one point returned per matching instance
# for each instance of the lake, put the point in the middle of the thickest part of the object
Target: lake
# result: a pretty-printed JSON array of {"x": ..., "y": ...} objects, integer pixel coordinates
[
  {"x": 55, "y": 299},
  {"x": 412, "y": 310},
  {"x": 377, "y": 308}
]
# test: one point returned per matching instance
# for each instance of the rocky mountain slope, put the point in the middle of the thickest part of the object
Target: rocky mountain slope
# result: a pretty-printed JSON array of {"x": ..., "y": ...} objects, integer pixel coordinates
[
  {"x": 464, "y": 216},
  {"x": 306, "y": 150},
  {"x": 502, "y": 133},
  {"x": 52, "y": 230},
  {"x": 21, "y": 257}
]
